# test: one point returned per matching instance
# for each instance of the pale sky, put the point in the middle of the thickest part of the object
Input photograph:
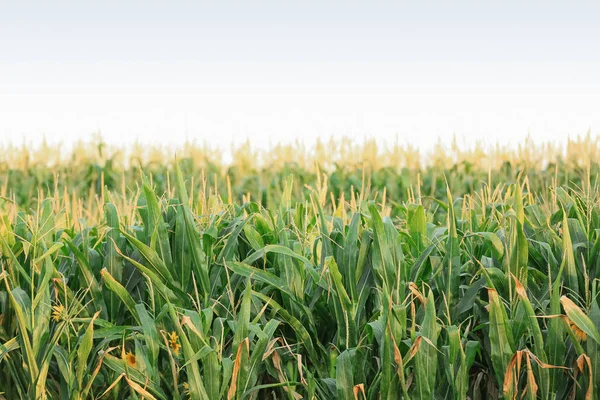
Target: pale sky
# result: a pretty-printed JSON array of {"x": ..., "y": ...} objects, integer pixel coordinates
[{"x": 224, "y": 71}]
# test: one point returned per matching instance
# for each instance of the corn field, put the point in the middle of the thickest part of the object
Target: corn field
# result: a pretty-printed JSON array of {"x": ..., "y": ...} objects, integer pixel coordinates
[{"x": 474, "y": 275}]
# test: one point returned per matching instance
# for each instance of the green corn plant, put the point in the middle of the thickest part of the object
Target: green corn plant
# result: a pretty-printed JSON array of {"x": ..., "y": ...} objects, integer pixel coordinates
[{"x": 243, "y": 283}]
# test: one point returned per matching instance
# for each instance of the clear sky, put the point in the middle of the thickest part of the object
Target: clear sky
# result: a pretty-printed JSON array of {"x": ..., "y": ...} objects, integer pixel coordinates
[{"x": 224, "y": 71}]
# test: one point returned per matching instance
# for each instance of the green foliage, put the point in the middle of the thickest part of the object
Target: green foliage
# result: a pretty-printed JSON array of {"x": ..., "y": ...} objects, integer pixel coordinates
[{"x": 174, "y": 293}]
